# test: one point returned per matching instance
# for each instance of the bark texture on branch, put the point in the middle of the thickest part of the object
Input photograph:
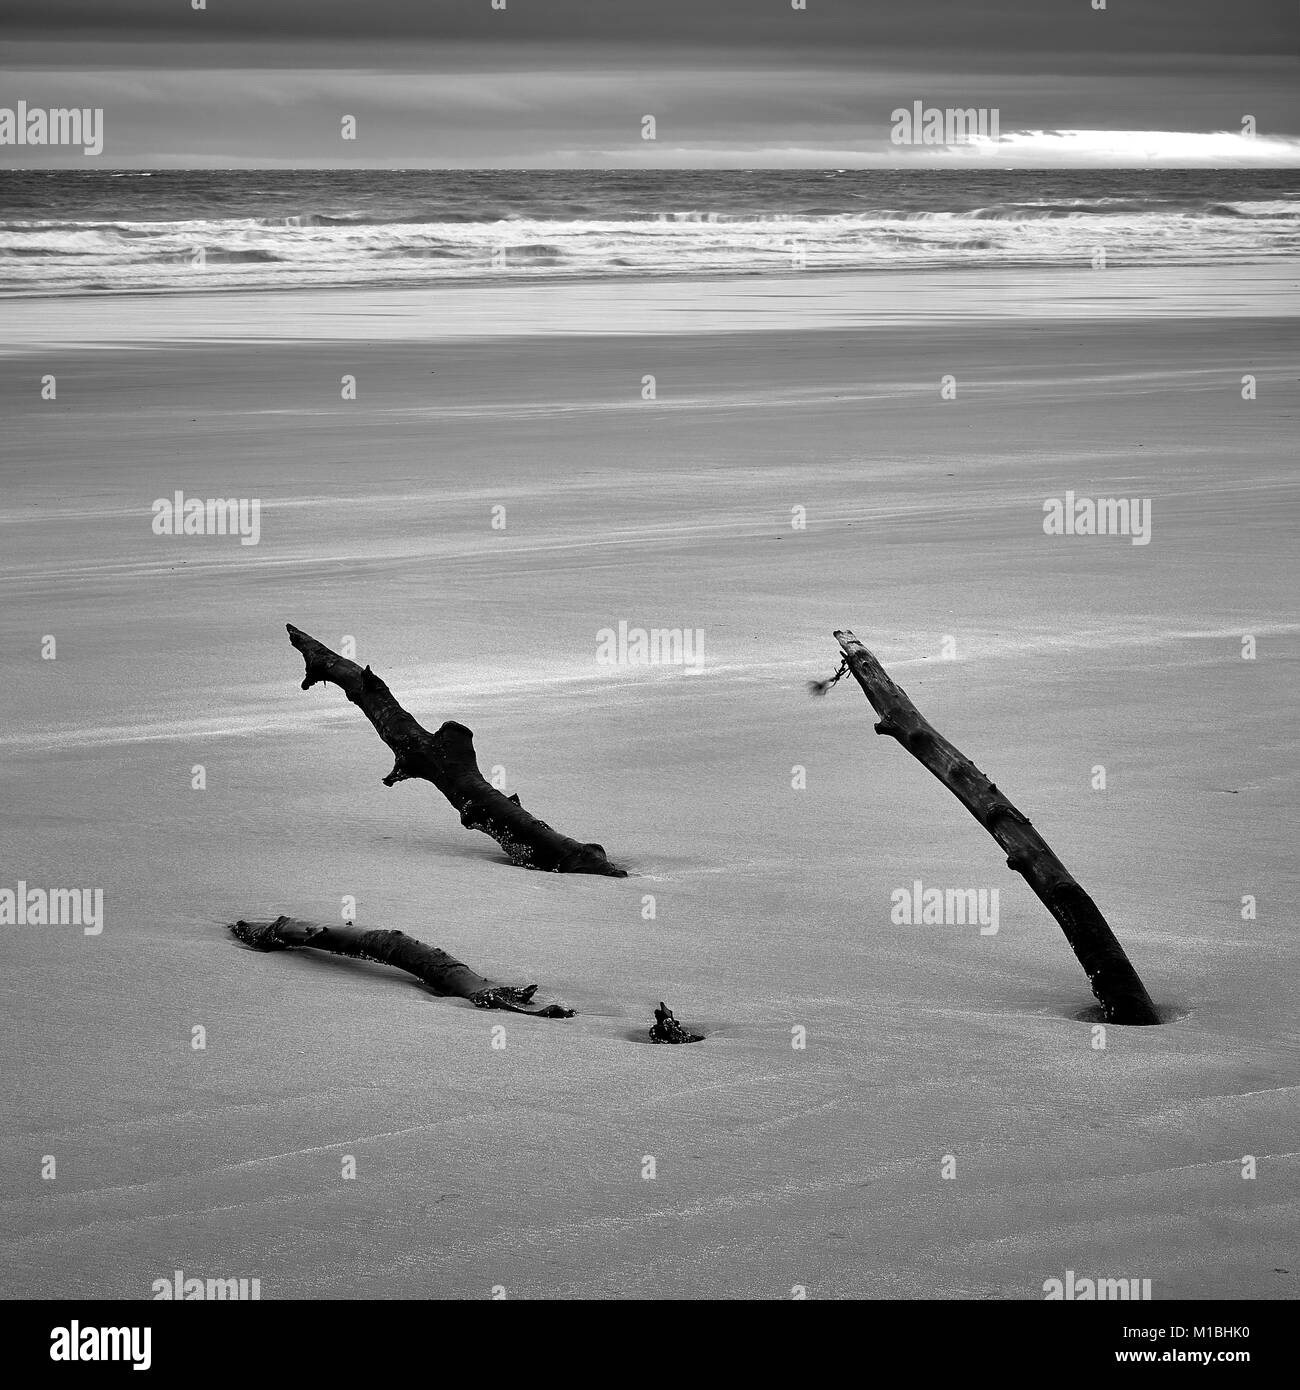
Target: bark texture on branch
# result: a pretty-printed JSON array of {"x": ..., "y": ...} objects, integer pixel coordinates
[
  {"x": 446, "y": 759},
  {"x": 1121, "y": 994},
  {"x": 443, "y": 974}
]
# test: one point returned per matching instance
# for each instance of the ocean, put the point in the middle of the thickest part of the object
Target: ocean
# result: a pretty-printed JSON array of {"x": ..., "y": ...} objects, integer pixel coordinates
[{"x": 103, "y": 231}]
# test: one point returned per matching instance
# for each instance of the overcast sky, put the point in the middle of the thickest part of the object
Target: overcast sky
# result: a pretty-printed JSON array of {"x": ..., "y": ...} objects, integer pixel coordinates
[{"x": 739, "y": 83}]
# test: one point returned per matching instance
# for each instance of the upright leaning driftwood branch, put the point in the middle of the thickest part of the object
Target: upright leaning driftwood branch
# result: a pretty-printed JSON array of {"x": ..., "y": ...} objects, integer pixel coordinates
[
  {"x": 444, "y": 974},
  {"x": 1115, "y": 983},
  {"x": 447, "y": 759}
]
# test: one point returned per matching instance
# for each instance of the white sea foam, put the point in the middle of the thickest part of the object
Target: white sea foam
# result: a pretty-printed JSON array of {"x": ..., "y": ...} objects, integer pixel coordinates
[{"x": 53, "y": 256}]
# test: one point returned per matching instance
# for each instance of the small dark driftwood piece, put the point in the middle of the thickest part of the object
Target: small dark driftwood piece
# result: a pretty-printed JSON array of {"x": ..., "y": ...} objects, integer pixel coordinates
[
  {"x": 1119, "y": 991},
  {"x": 668, "y": 1030},
  {"x": 443, "y": 974},
  {"x": 446, "y": 759}
]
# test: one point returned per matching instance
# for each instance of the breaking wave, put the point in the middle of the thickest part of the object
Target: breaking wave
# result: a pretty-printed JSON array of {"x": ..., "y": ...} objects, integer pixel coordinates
[{"x": 69, "y": 233}]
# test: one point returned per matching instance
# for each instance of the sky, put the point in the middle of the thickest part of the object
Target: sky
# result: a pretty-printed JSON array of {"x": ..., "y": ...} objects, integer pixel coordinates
[{"x": 729, "y": 83}]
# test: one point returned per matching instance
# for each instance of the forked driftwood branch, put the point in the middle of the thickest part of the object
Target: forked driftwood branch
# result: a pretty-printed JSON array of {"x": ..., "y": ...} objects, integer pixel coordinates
[
  {"x": 443, "y": 974},
  {"x": 446, "y": 759},
  {"x": 1119, "y": 991}
]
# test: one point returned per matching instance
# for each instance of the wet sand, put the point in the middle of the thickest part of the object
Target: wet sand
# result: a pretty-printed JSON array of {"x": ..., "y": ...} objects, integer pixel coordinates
[{"x": 775, "y": 1166}]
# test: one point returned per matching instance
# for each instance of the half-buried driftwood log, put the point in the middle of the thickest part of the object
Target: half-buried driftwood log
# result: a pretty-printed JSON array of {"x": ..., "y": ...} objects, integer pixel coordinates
[
  {"x": 1119, "y": 991},
  {"x": 443, "y": 974},
  {"x": 447, "y": 759}
]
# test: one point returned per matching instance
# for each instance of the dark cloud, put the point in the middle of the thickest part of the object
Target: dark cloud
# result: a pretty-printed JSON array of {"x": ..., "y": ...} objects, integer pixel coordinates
[
  {"x": 566, "y": 82},
  {"x": 1002, "y": 27}
]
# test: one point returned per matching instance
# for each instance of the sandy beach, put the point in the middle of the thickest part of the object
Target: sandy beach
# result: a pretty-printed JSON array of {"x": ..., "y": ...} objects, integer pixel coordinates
[{"x": 775, "y": 1166}]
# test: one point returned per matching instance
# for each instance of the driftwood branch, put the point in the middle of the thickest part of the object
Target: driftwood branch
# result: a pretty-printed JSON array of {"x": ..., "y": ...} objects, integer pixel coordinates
[
  {"x": 1115, "y": 983},
  {"x": 443, "y": 974},
  {"x": 446, "y": 759}
]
